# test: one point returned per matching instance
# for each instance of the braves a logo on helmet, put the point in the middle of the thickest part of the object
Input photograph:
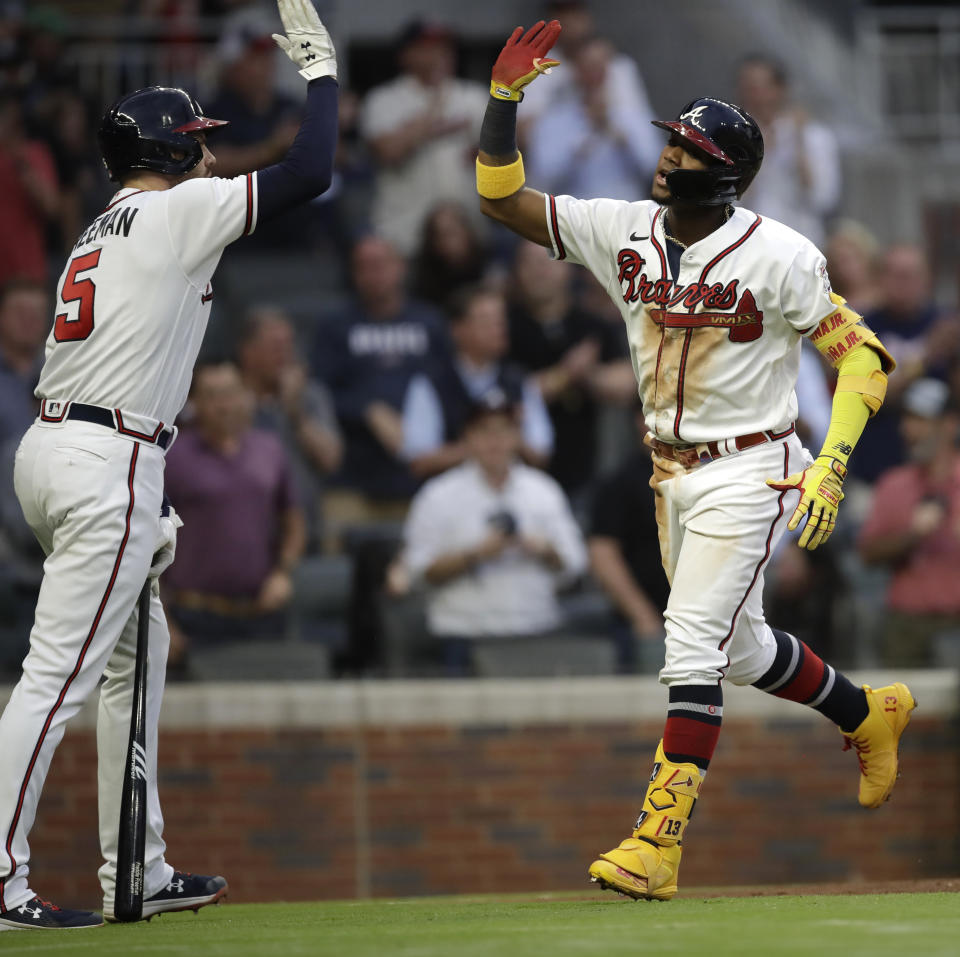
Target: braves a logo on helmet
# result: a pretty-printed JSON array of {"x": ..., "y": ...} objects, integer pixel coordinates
[{"x": 693, "y": 116}]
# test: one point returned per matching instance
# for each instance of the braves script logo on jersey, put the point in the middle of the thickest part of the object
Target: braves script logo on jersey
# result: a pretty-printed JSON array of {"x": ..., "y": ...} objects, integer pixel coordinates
[{"x": 745, "y": 321}]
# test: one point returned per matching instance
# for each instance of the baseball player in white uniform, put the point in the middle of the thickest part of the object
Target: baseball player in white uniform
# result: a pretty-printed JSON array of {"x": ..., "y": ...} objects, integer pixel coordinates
[
  {"x": 132, "y": 307},
  {"x": 715, "y": 300}
]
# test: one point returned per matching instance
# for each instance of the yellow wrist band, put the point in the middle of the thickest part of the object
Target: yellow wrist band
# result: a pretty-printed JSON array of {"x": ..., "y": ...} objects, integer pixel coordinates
[
  {"x": 502, "y": 92},
  {"x": 497, "y": 182}
]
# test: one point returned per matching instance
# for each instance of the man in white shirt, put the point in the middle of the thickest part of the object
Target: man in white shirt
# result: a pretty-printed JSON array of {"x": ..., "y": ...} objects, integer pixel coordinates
[
  {"x": 799, "y": 182},
  {"x": 422, "y": 127},
  {"x": 595, "y": 139},
  {"x": 492, "y": 539}
]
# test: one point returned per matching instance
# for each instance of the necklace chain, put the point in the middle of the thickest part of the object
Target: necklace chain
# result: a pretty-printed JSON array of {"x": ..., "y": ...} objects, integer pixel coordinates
[{"x": 727, "y": 213}]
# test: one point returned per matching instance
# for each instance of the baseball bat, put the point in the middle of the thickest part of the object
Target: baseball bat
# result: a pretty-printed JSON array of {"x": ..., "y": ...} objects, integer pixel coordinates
[{"x": 128, "y": 902}]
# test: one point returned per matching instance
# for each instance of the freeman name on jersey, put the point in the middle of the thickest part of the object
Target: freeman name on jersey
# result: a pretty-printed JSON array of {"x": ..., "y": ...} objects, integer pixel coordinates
[{"x": 114, "y": 222}]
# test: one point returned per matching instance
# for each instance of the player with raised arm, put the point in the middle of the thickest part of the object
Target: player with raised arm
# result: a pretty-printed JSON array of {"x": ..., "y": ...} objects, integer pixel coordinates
[
  {"x": 132, "y": 307},
  {"x": 715, "y": 300}
]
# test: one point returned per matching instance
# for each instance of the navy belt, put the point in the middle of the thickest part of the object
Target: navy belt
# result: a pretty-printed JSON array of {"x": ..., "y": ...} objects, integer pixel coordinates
[{"x": 111, "y": 419}]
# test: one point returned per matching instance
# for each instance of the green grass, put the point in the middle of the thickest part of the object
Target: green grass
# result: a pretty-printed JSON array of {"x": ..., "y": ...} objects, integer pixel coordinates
[{"x": 548, "y": 926}]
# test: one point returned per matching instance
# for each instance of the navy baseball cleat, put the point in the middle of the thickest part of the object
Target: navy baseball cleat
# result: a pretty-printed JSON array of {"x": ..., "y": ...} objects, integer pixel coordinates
[
  {"x": 38, "y": 914},
  {"x": 185, "y": 891}
]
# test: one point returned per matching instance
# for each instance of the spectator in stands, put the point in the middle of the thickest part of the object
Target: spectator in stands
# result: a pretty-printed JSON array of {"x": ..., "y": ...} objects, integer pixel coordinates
[
  {"x": 85, "y": 189},
  {"x": 436, "y": 404},
  {"x": 422, "y": 127},
  {"x": 914, "y": 528},
  {"x": 799, "y": 183},
  {"x": 852, "y": 264},
  {"x": 296, "y": 408},
  {"x": 923, "y": 338},
  {"x": 570, "y": 351},
  {"x": 48, "y": 70},
  {"x": 625, "y": 558},
  {"x": 31, "y": 196},
  {"x": 263, "y": 122},
  {"x": 589, "y": 144},
  {"x": 24, "y": 323},
  {"x": 624, "y": 90},
  {"x": 243, "y": 529},
  {"x": 451, "y": 254},
  {"x": 491, "y": 539},
  {"x": 367, "y": 354}
]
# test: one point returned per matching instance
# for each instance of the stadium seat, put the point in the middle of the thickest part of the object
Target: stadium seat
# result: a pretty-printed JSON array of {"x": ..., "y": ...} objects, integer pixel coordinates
[
  {"x": 544, "y": 656},
  {"x": 261, "y": 661}
]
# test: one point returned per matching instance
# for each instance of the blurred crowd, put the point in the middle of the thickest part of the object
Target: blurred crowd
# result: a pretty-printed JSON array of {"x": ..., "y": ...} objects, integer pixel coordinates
[{"x": 413, "y": 443}]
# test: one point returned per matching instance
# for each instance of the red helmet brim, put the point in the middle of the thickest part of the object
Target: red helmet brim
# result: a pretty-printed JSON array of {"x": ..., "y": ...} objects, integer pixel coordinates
[
  {"x": 200, "y": 123},
  {"x": 695, "y": 137}
]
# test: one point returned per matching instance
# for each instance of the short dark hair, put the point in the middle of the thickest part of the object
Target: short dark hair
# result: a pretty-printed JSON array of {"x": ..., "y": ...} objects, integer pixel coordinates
[
  {"x": 493, "y": 403},
  {"x": 776, "y": 67},
  {"x": 206, "y": 364},
  {"x": 463, "y": 297}
]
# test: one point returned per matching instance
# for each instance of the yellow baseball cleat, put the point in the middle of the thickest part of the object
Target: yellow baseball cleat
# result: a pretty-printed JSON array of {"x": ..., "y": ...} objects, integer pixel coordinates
[
  {"x": 639, "y": 869},
  {"x": 877, "y": 738},
  {"x": 645, "y": 865}
]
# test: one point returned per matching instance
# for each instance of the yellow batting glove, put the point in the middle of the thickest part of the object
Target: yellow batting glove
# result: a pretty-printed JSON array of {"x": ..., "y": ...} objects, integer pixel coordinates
[
  {"x": 821, "y": 491},
  {"x": 523, "y": 59}
]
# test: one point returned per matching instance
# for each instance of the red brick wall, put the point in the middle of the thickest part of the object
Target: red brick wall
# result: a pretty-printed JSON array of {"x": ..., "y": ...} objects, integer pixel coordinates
[{"x": 321, "y": 814}]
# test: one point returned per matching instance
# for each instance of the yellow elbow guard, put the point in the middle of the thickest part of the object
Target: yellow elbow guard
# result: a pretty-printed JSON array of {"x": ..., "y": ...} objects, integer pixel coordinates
[
  {"x": 872, "y": 388},
  {"x": 843, "y": 331},
  {"x": 498, "y": 182}
]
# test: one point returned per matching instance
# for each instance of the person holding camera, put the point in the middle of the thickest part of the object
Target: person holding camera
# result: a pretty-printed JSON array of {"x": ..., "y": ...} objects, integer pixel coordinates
[{"x": 492, "y": 539}]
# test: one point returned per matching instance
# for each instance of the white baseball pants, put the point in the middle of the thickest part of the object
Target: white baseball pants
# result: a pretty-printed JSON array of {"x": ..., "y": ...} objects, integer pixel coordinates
[
  {"x": 93, "y": 498},
  {"x": 719, "y": 524}
]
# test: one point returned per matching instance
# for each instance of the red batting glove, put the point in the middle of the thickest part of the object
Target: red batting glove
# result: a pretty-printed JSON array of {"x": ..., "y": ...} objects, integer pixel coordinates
[{"x": 523, "y": 59}]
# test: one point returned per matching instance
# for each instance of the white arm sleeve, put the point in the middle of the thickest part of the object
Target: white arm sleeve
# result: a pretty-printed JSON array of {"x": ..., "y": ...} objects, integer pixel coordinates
[{"x": 205, "y": 215}]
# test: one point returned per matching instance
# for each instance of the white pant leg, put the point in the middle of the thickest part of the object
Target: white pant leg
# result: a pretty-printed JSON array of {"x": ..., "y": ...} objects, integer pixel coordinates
[
  {"x": 93, "y": 500},
  {"x": 729, "y": 523},
  {"x": 113, "y": 732}
]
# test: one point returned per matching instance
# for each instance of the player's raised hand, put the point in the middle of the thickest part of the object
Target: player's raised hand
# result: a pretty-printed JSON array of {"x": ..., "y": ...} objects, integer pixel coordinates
[
  {"x": 821, "y": 491},
  {"x": 523, "y": 59},
  {"x": 307, "y": 42}
]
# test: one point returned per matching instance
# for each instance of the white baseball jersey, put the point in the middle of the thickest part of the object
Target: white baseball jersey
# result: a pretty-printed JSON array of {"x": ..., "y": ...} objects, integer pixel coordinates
[
  {"x": 132, "y": 309},
  {"x": 716, "y": 349},
  {"x": 134, "y": 298}
]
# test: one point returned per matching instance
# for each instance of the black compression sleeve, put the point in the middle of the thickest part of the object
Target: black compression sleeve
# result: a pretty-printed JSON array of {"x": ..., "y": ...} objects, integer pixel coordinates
[
  {"x": 307, "y": 169},
  {"x": 498, "y": 135}
]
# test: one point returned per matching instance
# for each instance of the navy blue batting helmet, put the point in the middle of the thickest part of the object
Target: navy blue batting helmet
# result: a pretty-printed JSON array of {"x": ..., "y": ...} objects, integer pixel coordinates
[
  {"x": 726, "y": 133},
  {"x": 150, "y": 129}
]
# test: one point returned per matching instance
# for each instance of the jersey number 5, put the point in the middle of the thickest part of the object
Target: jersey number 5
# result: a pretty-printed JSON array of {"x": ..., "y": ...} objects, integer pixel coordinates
[{"x": 66, "y": 329}]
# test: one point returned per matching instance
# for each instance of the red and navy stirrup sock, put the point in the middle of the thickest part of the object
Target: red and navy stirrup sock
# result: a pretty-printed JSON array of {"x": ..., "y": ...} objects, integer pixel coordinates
[
  {"x": 693, "y": 724},
  {"x": 797, "y": 674}
]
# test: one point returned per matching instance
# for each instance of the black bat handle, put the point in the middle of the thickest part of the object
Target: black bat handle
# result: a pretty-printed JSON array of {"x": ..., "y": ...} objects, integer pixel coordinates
[{"x": 128, "y": 903}]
